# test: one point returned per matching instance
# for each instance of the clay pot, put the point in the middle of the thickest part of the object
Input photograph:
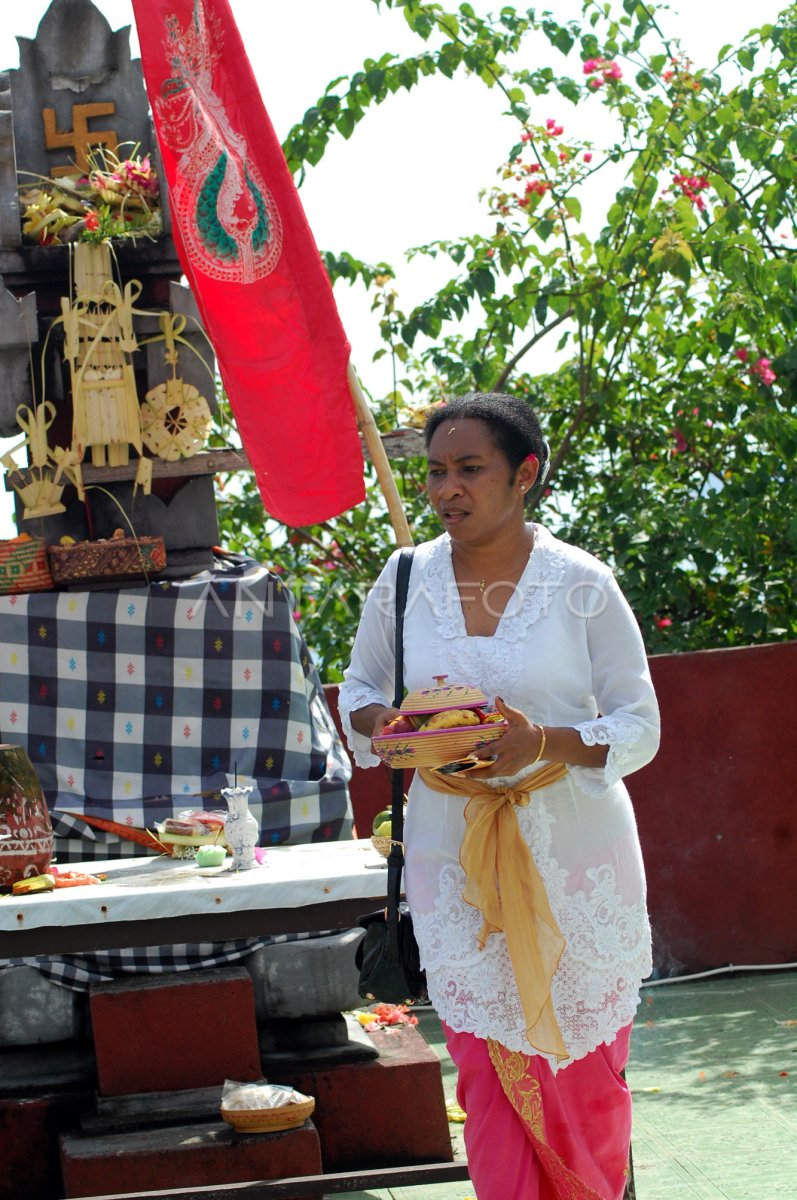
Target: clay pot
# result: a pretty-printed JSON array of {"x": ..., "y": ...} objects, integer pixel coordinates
[{"x": 26, "y": 835}]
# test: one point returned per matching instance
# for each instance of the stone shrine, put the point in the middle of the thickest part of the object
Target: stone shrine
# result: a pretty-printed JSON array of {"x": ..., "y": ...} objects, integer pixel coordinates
[{"x": 77, "y": 103}]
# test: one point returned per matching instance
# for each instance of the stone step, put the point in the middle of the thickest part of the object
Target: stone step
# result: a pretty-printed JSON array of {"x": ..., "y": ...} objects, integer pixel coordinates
[
  {"x": 184, "y": 1156},
  {"x": 386, "y": 1112}
]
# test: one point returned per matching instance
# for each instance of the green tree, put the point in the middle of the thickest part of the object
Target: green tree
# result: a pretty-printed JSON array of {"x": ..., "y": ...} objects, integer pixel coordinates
[{"x": 670, "y": 404}]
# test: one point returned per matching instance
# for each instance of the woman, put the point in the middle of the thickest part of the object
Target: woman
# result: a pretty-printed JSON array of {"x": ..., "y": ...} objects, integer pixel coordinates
[{"x": 537, "y": 994}]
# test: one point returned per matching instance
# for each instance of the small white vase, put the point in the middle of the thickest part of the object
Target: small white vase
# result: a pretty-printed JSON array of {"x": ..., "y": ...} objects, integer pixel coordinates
[{"x": 240, "y": 827}]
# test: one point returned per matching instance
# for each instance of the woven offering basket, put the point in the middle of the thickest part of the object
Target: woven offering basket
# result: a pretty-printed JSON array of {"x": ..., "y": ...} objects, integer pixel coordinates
[
  {"x": 381, "y": 844},
  {"x": 437, "y": 747},
  {"x": 24, "y": 566},
  {"x": 268, "y": 1120},
  {"x": 113, "y": 559}
]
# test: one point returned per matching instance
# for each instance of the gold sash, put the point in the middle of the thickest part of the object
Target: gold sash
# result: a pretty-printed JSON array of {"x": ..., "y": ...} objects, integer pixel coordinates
[{"x": 504, "y": 884}]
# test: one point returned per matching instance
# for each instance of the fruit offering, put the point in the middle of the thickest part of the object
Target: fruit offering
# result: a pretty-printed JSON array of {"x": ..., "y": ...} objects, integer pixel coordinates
[{"x": 438, "y": 725}]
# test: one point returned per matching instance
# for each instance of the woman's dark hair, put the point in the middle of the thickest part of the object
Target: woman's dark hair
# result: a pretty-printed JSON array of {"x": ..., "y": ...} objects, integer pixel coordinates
[{"x": 512, "y": 423}]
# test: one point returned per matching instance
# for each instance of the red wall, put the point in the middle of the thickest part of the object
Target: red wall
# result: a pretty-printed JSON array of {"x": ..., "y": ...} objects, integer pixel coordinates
[{"x": 716, "y": 808}]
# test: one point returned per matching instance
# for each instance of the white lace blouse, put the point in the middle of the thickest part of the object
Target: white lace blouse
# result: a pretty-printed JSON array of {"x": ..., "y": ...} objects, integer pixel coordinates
[{"x": 567, "y": 651}]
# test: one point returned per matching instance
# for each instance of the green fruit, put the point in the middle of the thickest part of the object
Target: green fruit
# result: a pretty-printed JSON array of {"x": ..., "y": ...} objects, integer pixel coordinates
[
  {"x": 384, "y": 830},
  {"x": 381, "y": 817}
]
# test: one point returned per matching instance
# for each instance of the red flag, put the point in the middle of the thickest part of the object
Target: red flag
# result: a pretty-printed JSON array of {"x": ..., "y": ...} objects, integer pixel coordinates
[{"x": 249, "y": 256}]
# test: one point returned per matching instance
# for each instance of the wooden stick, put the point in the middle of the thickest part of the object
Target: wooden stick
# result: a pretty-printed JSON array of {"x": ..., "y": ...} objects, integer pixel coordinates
[{"x": 367, "y": 426}]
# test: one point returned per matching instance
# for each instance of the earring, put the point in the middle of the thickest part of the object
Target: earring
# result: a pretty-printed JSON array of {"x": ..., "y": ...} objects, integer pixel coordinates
[{"x": 522, "y": 487}]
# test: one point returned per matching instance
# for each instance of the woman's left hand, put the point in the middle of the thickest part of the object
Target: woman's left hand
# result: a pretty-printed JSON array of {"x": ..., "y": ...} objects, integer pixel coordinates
[{"x": 516, "y": 748}]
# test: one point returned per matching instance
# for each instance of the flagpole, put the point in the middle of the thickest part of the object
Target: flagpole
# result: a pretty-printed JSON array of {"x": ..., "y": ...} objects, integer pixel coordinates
[{"x": 367, "y": 426}]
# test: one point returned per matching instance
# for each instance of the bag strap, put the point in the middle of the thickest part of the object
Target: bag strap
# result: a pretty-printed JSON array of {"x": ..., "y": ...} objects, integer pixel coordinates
[{"x": 395, "y": 861}]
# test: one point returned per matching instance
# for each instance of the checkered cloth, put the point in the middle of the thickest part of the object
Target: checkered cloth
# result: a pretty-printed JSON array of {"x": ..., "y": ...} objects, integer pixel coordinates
[
  {"x": 137, "y": 703},
  {"x": 78, "y": 971}
]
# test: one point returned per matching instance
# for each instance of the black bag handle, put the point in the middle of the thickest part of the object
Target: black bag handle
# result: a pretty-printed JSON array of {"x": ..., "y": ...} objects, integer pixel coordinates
[{"x": 395, "y": 861}]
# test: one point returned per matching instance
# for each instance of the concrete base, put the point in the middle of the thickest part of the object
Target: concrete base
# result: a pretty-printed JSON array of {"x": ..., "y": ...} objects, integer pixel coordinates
[
  {"x": 184, "y": 1156},
  {"x": 299, "y": 1045},
  {"x": 36, "y": 1011},
  {"x": 309, "y": 978}
]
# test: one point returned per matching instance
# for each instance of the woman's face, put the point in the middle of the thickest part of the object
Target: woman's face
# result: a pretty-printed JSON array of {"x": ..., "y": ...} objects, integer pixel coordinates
[{"x": 470, "y": 482}]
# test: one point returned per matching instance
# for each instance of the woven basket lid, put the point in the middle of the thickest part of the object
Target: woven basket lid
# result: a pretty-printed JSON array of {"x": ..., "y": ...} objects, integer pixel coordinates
[{"x": 443, "y": 697}]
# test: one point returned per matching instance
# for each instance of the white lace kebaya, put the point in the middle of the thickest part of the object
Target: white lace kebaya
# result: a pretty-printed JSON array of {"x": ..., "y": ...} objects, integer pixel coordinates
[{"x": 567, "y": 651}]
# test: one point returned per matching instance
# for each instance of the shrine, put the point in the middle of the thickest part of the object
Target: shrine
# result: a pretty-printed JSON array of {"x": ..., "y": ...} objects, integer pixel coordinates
[{"x": 146, "y": 675}]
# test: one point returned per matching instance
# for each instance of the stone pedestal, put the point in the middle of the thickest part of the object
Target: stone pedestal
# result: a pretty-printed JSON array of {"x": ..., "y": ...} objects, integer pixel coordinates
[{"x": 184, "y": 1030}]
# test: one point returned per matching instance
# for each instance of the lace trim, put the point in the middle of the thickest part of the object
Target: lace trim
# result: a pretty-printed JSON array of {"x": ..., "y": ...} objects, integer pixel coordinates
[
  {"x": 620, "y": 734},
  {"x": 595, "y": 990},
  {"x": 542, "y": 576},
  {"x": 350, "y": 699}
]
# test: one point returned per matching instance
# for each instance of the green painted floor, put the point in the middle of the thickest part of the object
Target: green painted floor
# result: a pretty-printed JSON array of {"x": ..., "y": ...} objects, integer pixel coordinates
[{"x": 713, "y": 1071}]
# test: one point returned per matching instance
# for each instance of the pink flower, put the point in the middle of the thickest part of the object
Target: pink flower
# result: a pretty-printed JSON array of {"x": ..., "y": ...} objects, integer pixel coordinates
[
  {"x": 563, "y": 156},
  {"x": 532, "y": 168},
  {"x": 91, "y": 221},
  {"x": 557, "y": 130},
  {"x": 742, "y": 354},
  {"x": 549, "y": 124},
  {"x": 612, "y": 71},
  {"x": 662, "y": 622},
  {"x": 681, "y": 443},
  {"x": 595, "y": 83},
  {"x": 592, "y": 64},
  {"x": 588, "y": 157},
  {"x": 525, "y": 136},
  {"x": 764, "y": 371}
]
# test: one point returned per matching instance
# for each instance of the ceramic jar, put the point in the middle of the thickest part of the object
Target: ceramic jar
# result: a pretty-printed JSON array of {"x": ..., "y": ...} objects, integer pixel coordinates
[
  {"x": 241, "y": 830},
  {"x": 26, "y": 835}
]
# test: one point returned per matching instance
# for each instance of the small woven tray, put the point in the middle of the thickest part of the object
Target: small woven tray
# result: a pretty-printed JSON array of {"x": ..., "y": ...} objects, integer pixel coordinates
[
  {"x": 381, "y": 845},
  {"x": 24, "y": 566},
  {"x": 269, "y": 1120}
]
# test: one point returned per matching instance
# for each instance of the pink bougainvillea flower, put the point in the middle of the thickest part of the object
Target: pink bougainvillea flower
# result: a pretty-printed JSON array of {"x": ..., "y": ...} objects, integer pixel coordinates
[
  {"x": 742, "y": 354},
  {"x": 563, "y": 156},
  {"x": 592, "y": 64},
  {"x": 681, "y": 443},
  {"x": 532, "y": 168},
  {"x": 662, "y": 622},
  {"x": 588, "y": 157},
  {"x": 668, "y": 74},
  {"x": 595, "y": 83},
  {"x": 612, "y": 70},
  {"x": 525, "y": 136},
  {"x": 549, "y": 124}
]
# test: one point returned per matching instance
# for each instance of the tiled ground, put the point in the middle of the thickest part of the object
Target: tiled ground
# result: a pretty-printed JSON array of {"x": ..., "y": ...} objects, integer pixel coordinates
[{"x": 714, "y": 1075}]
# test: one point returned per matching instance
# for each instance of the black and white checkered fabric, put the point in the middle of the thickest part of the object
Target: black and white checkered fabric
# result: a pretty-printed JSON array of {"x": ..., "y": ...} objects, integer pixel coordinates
[{"x": 137, "y": 703}]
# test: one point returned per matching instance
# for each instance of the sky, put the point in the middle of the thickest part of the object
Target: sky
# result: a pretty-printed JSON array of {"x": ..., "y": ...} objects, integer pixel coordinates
[{"x": 414, "y": 168}]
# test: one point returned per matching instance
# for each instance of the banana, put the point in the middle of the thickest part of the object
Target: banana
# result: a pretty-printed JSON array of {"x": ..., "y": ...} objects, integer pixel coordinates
[{"x": 451, "y": 719}]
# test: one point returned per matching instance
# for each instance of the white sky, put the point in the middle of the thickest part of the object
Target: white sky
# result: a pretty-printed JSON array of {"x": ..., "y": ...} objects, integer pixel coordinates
[{"x": 413, "y": 169}]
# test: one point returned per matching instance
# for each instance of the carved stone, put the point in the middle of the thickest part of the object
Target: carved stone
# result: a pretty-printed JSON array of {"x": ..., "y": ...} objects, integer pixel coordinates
[
  {"x": 75, "y": 62},
  {"x": 18, "y": 335}
]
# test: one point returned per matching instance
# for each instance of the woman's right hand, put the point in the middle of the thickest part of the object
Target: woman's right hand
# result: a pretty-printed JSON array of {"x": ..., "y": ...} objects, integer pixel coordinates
[
  {"x": 371, "y": 720},
  {"x": 383, "y": 718}
]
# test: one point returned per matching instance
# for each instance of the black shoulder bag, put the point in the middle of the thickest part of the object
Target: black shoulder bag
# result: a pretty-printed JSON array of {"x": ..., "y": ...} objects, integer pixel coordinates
[{"x": 387, "y": 957}]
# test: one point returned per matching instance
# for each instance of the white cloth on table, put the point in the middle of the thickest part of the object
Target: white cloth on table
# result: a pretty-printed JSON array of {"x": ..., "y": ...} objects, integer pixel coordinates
[{"x": 568, "y": 652}]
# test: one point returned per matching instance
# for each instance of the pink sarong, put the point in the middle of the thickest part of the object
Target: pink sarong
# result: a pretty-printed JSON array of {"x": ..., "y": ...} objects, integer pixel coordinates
[{"x": 531, "y": 1134}]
